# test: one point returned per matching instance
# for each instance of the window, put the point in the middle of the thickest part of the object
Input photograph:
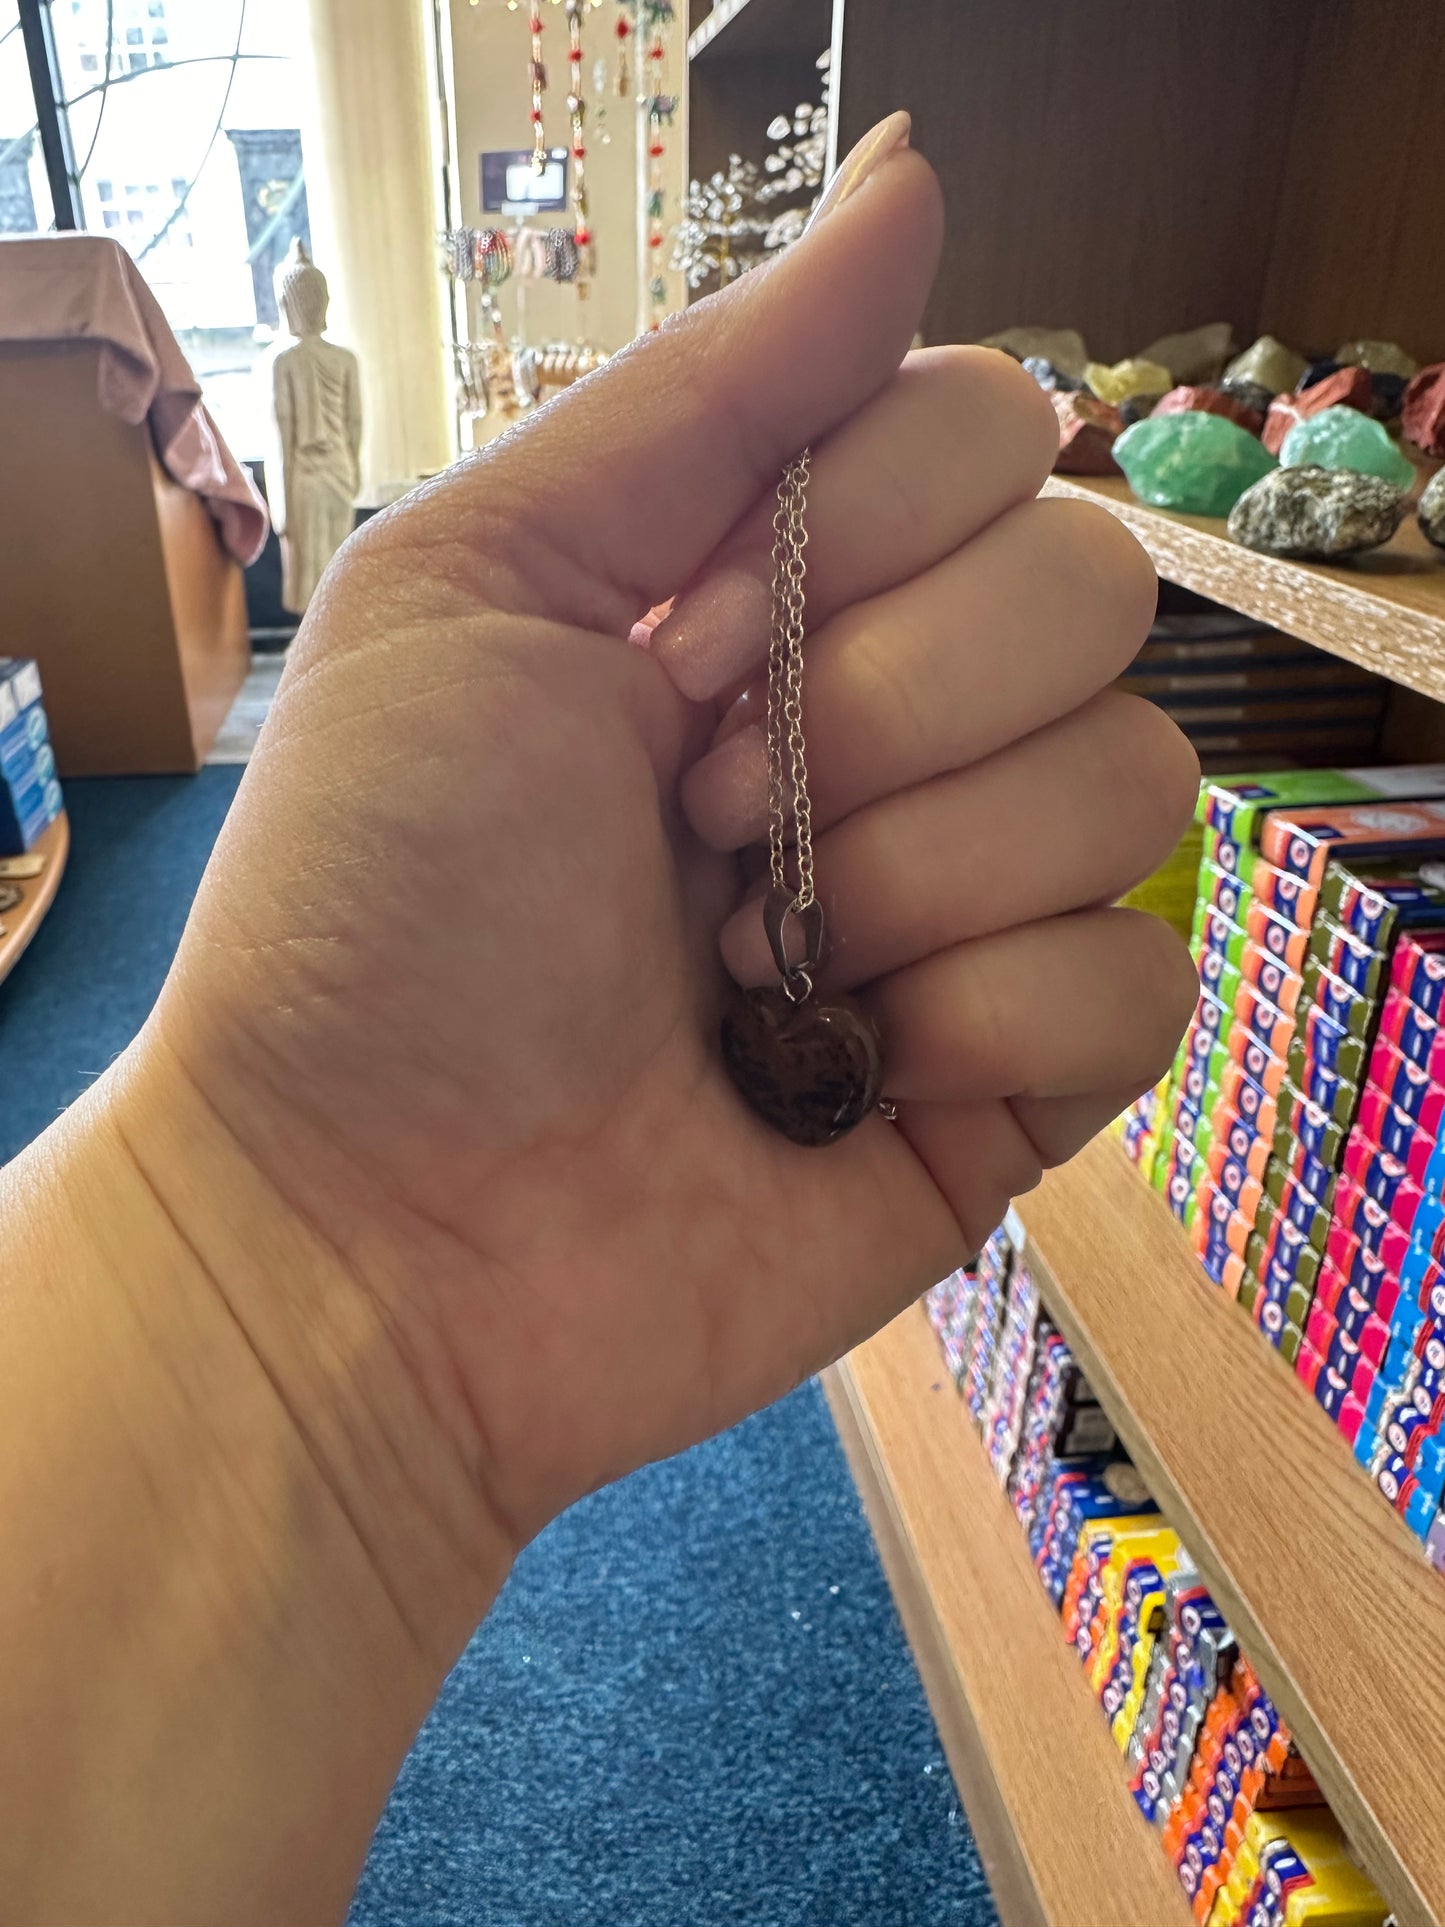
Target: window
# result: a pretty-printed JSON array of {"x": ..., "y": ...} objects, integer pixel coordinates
[{"x": 195, "y": 166}]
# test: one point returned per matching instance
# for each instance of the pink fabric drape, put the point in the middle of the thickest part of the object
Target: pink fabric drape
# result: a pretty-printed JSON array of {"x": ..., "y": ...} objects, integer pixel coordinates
[{"x": 83, "y": 287}]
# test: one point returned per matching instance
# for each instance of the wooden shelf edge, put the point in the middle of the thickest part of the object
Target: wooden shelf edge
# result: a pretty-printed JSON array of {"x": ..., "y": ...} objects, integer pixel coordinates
[
  {"x": 1385, "y": 611},
  {"x": 1043, "y": 1784},
  {"x": 1329, "y": 1594},
  {"x": 21, "y": 924}
]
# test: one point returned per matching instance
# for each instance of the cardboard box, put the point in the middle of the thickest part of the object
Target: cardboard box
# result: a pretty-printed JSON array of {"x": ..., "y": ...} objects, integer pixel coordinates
[
  {"x": 1407, "y": 1085},
  {"x": 1374, "y": 897},
  {"x": 1348, "y": 957},
  {"x": 1302, "y": 841}
]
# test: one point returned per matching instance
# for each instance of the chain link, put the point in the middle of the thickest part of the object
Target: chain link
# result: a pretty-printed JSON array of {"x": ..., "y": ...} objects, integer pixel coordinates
[{"x": 787, "y": 764}]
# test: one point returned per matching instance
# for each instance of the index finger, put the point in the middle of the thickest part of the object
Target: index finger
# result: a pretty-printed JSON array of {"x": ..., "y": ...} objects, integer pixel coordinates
[{"x": 956, "y": 438}]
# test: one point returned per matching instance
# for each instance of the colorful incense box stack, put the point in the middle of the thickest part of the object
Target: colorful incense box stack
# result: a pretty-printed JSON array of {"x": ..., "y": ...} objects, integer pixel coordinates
[
  {"x": 1245, "y": 1762},
  {"x": 1191, "y": 1662},
  {"x": 1072, "y": 1497},
  {"x": 1219, "y": 1076},
  {"x": 951, "y": 1306},
  {"x": 1061, "y": 1423},
  {"x": 1316, "y": 1029},
  {"x": 1208, "y": 1759},
  {"x": 1293, "y": 1869},
  {"x": 30, "y": 797},
  {"x": 1374, "y": 1349}
]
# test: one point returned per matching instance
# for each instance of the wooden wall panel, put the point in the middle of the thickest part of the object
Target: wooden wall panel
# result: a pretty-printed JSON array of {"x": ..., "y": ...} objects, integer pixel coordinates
[
  {"x": 1112, "y": 166},
  {"x": 1359, "y": 244}
]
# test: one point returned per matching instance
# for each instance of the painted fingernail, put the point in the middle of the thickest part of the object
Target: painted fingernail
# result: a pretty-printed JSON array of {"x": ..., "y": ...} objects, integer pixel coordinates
[
  {"x": 874, "y": 148},
  {"x": 716, "y": 633},
  {"x": 725, "y": 794}
]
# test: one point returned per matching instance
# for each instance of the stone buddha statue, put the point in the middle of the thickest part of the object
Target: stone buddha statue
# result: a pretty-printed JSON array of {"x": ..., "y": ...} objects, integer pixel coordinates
[{"x": 313, "y": 474}]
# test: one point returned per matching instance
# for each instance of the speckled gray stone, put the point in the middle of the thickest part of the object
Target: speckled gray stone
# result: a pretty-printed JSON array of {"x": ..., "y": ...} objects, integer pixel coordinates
[
  {"x": 1432, "y": 510},
  {"x": 1316, "y": 514},
  {"x": 1252, "y": 393}
]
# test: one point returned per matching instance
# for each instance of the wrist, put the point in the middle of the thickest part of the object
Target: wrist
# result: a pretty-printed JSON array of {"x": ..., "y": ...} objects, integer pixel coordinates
[{"x": 247, "y": 1553}]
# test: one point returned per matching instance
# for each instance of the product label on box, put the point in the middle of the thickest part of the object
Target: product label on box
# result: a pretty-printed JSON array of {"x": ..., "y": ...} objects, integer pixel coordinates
[
  {"x": 1300, "y": 841},
  {"x": 1418, "y": 971},
  {"x": 1354, "y": 963},
  {"x": 1323, "y": 1040},
  {"x": 1411, "y": 1031},
  {"x": 1290, "y": 897},
  {"x": 1407, "y": 1085},
  {"x": 1256, "y": 1060},
  {"x": 1263, "y": 1020},
  {"x": 1225, "y": 890},
  {"x": 1347, "y": 1008},
  {"x": 1218, "y": 976},
  {"x": 1276, "y": 936},
  {"x": 1273, "y": 980}
]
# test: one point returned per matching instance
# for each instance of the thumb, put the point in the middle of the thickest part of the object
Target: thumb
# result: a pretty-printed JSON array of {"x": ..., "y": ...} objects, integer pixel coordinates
[{"x": 617, "y": 491}]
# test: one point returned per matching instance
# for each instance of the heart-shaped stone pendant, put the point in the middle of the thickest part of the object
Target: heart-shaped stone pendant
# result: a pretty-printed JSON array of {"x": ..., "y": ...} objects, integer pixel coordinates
[{"x": 813, "y": 1071}]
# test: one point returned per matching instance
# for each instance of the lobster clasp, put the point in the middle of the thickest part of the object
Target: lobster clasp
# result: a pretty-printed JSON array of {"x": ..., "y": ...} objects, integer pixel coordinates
[{"x": 779, "y": 909}]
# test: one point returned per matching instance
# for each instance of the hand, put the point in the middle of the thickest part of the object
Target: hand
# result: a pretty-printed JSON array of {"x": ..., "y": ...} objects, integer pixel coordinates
[{"x": 454, "y": 976}]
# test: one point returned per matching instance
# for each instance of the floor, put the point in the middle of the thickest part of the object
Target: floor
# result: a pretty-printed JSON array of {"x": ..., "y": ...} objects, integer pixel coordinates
[
  {"x": 693, "y": 1705},
  {"x": 238, "y": 733}
]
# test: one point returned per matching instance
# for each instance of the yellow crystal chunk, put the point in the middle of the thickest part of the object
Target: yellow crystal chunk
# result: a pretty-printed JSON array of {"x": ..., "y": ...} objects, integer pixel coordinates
[{"x": 1126, "y": 378}]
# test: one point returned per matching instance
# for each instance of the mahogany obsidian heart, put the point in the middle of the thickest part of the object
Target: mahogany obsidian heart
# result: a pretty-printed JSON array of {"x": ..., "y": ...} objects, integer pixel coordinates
[{"x": 812, "y": 1071}]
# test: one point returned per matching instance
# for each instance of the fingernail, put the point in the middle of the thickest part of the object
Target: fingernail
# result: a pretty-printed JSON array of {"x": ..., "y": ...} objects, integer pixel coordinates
[
  {"x": 855, "y": 167},
  {"x": 716, "y": 633},
  {"x": 725, "y": 793}
]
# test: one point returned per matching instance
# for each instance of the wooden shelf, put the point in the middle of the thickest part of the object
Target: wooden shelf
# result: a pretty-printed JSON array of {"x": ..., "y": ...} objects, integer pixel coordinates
[
  {"x": 1329, "y": 1594},
  {"x": 744, "y": 28},
  {"x": 1042, "y": 1781},
  {"x": 1384, "y": 610},
  {"x": 24, "y": 920}
]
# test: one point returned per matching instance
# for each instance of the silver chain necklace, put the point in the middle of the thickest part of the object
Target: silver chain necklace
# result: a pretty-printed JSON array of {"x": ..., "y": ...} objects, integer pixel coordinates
[{"x": 813, "y": 1070}]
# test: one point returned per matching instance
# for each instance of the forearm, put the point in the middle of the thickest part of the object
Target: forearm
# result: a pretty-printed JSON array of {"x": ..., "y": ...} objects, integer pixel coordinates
[{"x": 232, "y": 1586}]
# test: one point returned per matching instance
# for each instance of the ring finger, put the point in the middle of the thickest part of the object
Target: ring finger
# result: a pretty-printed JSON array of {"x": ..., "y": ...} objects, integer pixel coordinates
[
  {"x": 1036, "y": 615},
  {"x": 1053, "y": 1009},
  {"x": 1072, "y": 816}
]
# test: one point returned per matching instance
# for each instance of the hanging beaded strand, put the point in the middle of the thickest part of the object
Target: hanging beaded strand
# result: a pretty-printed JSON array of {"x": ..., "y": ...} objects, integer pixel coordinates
[
  {"x": 657, "y": 17},
  {"x": 538, "y": 76},
  {"x": 577, "y": 111},
  {"x": 624, "y": 65}
]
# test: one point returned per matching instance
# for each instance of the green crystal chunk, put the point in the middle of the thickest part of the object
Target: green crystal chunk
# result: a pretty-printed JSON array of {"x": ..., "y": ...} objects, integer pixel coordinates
[
  {"x": 1344, "y": 438},
  {"x": 1199, "y": 463}
]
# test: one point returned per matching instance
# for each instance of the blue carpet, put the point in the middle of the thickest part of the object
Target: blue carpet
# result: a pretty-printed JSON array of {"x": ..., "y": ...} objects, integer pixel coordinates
[{"x": 693, "y": 1706}]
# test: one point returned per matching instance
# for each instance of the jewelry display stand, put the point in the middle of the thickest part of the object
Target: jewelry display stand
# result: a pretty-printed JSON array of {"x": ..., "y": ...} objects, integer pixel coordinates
[{"x": 1131, "y": 169}]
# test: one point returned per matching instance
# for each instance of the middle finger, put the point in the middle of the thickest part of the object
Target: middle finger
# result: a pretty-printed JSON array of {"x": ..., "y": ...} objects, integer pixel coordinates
[
  {"x": 1013, "y": 630},
  {"x": 1074, "y": 815}
]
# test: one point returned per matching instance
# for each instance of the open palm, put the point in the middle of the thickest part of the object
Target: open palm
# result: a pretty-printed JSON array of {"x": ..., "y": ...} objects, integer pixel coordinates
[{"x": 454, "y": 976}]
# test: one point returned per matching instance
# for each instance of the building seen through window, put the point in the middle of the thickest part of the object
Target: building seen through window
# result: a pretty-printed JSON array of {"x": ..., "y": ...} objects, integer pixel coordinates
[{"x": 184, "y": 120}]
